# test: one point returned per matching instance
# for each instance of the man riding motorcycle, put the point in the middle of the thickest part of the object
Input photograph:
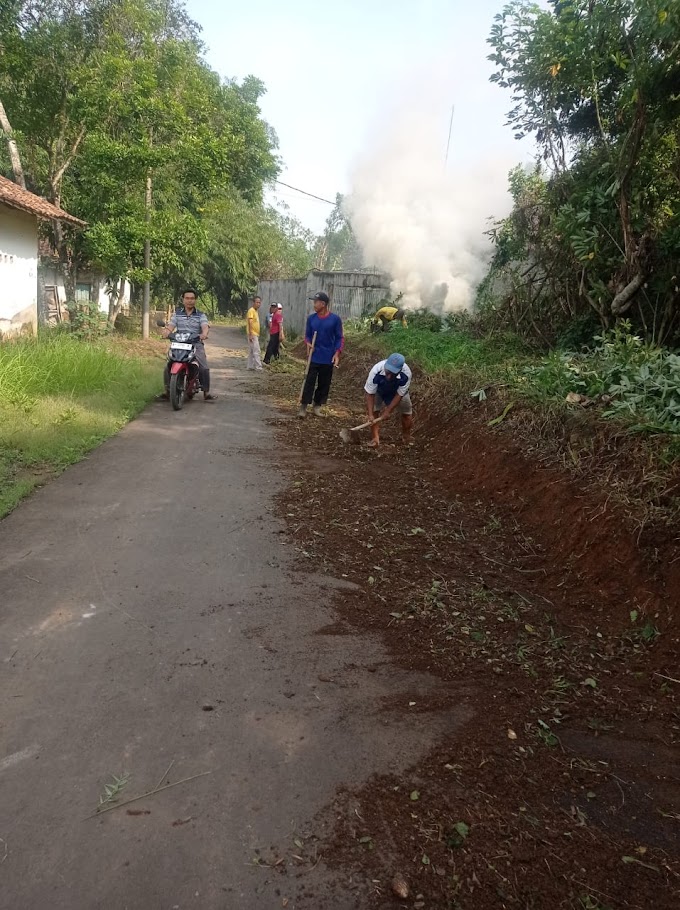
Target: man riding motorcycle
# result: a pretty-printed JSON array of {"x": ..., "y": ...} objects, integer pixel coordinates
[{"x": 189, "y": 319}]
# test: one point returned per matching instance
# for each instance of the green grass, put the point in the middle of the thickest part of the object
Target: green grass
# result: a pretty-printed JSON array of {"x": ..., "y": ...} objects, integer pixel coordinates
[
  {"x": 639, "y": 383},
  {"x": 59, "y": 398},
  {"x": 230, "y": 319},
  {"x": 454, "y": 349},
  {"x": 630, "y": 404},
  {"x": 465, "y": 360}
]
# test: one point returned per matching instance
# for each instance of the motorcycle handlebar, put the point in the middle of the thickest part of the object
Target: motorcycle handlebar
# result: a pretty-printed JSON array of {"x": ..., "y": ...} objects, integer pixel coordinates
[{"x": 192, "y": 338}]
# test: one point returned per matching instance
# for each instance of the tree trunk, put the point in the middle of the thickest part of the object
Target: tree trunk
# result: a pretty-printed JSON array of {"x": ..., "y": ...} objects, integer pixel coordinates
[
  {"x": 116, "y": 298},
  {"x": 624, "y": 298},
  {"x": 14, "y": 156},
  {"x": 632, "y": 144},
  {"x": 69, "y": 274}
]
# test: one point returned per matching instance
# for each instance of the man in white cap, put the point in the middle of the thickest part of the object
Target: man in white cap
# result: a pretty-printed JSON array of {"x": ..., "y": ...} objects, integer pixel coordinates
[
  {"x": 387, "y": 390},
  {"x": 276, "y": 335}
]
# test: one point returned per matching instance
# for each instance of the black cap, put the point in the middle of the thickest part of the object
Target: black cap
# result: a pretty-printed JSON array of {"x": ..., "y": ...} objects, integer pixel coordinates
[{"x": 321, "y": 296}]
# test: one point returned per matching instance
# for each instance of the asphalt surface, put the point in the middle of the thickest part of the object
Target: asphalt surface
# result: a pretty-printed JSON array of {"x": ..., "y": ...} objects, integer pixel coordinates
[{"x": 152, "y": 616}]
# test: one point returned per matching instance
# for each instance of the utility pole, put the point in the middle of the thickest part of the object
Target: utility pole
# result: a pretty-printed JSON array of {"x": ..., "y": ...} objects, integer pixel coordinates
[
  {"x": 146, "y": 299},
  {"x": 448, "y": 144}
]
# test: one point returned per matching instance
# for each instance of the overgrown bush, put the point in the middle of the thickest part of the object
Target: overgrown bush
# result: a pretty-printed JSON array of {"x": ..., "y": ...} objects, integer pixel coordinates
[
  {"x": 87, "y": 320},
  {"x": 455, "y": 349},
  {"x": 595, "y": 229},
  {"x": 424, "y": 319},
  {"x": 637, "y": 381}
]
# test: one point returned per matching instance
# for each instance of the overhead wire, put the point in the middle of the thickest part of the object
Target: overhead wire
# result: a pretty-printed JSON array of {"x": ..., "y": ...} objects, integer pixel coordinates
[{"x": 304, "y": 192}]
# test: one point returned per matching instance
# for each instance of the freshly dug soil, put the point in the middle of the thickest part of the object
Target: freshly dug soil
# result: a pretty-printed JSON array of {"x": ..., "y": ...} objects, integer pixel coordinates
[{"x": 530, "y": 598}]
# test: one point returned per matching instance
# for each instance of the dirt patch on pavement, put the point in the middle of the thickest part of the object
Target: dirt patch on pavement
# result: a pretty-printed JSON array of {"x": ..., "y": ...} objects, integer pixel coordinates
[{"x": 532, "y": 601}]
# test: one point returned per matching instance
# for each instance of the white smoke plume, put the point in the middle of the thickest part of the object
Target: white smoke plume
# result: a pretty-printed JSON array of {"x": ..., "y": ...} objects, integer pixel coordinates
[{"x": 420, "y": 222}]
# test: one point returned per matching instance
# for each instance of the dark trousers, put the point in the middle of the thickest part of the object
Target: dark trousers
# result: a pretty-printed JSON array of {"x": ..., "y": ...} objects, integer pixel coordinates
[
  {"x": 384, "y": 325},
  {"x": 203, "y": 370},
  {"x": 273, "y": 347},
  {"x": 321, "y": 376}
]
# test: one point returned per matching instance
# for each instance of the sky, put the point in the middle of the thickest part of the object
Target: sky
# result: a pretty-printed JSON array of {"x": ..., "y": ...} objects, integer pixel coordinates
[{"x": 338, "y": 73}]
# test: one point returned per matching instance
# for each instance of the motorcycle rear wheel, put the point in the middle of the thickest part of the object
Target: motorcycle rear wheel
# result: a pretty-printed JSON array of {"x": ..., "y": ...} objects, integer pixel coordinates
[{"x": 178, "y": 385}]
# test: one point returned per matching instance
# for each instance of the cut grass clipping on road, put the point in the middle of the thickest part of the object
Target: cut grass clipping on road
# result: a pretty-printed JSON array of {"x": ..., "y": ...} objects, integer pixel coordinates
[{"x": 59, "y": 398}]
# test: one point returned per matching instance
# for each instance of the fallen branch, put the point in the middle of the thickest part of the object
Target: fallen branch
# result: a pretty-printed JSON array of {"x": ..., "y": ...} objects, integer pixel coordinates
[
  {"x": 669, "y": 678},
  {"x": 506, "y": 565},
  {"x": 135, "y": 799}
]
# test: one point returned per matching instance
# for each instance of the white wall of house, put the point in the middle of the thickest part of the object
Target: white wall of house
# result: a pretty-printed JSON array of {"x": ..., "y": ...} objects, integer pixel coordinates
[
  {"x": 90, "y": 286},
  {"x": 103, "y": 297},
  {"x": 18, "y": 271}
]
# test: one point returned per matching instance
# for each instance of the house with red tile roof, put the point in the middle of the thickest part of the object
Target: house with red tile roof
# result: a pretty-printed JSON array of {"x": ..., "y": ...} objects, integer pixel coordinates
[{"x": 20, "y": 213}]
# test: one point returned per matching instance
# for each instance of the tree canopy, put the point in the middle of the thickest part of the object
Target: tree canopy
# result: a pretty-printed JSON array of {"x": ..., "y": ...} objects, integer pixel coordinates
[
  {"x": 337, "y": 247},
  {"x": 107, "y": 99},
  {"x": 596, "y": 229}
]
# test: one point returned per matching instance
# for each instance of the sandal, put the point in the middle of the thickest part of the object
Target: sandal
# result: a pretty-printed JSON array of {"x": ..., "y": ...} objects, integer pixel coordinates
[
  {"x": 209, "y": 397},
  {"x": 164, "y": 396}
]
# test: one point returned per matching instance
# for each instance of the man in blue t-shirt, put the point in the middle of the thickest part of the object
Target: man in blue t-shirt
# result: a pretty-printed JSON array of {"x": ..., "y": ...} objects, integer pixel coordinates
[
  {"x": 387, "y": 390},
  {"x": 325, "y": 351}
]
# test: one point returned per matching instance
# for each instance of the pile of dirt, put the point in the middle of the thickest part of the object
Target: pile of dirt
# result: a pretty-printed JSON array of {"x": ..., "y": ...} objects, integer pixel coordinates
[{"x": 535, "y": 604}]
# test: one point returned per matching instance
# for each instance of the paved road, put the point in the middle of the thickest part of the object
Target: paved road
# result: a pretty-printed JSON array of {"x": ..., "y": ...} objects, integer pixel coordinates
[{"x": 142, "y": 587}]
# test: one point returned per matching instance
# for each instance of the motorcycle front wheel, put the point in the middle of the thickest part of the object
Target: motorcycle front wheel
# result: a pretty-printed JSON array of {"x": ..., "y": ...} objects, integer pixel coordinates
[{"x": 178, "y": 384}]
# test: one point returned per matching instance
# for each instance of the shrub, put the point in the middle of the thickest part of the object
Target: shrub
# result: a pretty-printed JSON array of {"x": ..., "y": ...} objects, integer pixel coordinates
[
  {"x": 424, "y": 319},
  {"x": 641, "y": 381},
  {"x": 87, "y": 320}
]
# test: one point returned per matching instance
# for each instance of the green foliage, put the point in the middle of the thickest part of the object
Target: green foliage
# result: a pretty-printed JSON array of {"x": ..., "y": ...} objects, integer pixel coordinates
[
  {"x": 425, "y": 319},
  {"x": 87, "y": 321},
  {"x": 644, "y": 382},
  {"x": 112, "y": 791},
  {"x": 632, "y": 381},
  {"x": 245, "y": 243},
  {"x": 451, "y": 351},
  {"x": 641, "y": 381},
  {"x": 108, "y": 94},
  {"x": 337, "y": 248},
  {"x": 578, "y": 333},
  {"x": 596, "y": 230}
]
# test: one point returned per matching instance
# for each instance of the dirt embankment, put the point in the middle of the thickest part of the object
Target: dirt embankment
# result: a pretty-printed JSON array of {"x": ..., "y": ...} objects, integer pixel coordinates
[{"x": 534, "y": 602}]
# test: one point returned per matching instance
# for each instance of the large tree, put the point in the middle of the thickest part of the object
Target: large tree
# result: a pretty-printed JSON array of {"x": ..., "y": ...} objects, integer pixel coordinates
[
  {"x": 337, "y": 247},
  {"x": 598, "y": 87},
  {"x": 120, "y": 120},
  {"x": 246, "y": 243}
]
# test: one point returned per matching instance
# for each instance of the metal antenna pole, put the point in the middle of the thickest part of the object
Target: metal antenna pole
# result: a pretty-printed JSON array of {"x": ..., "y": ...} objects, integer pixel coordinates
[{"x": 448, "y": 144}]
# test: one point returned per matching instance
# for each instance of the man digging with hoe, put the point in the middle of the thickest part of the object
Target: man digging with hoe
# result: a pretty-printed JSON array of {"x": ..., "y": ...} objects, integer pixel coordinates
[{"x": 387, "y": 387}]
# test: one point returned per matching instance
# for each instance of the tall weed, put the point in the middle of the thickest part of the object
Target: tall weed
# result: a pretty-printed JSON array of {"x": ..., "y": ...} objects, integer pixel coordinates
[
  {"x": 60, "y": 364},
  {"x": 452, "y": 349},
  {"x": 60, "y": 397}
]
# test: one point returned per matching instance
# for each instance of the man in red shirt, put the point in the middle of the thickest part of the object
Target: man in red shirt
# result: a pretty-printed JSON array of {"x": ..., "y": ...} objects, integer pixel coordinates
[{"x": 276, "y": 335}]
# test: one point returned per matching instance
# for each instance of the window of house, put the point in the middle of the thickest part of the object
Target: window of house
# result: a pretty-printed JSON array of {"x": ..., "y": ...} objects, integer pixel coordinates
[{"x": 83, "y": 293}]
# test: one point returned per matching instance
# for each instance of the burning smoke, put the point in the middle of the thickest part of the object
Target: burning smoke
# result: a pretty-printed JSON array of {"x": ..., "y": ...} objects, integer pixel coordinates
[{"x": 421, "y": 222}]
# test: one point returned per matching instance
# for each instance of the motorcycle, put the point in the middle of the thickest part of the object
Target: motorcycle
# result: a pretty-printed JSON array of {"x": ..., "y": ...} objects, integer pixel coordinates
[{"x": 184, "y": 382}]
